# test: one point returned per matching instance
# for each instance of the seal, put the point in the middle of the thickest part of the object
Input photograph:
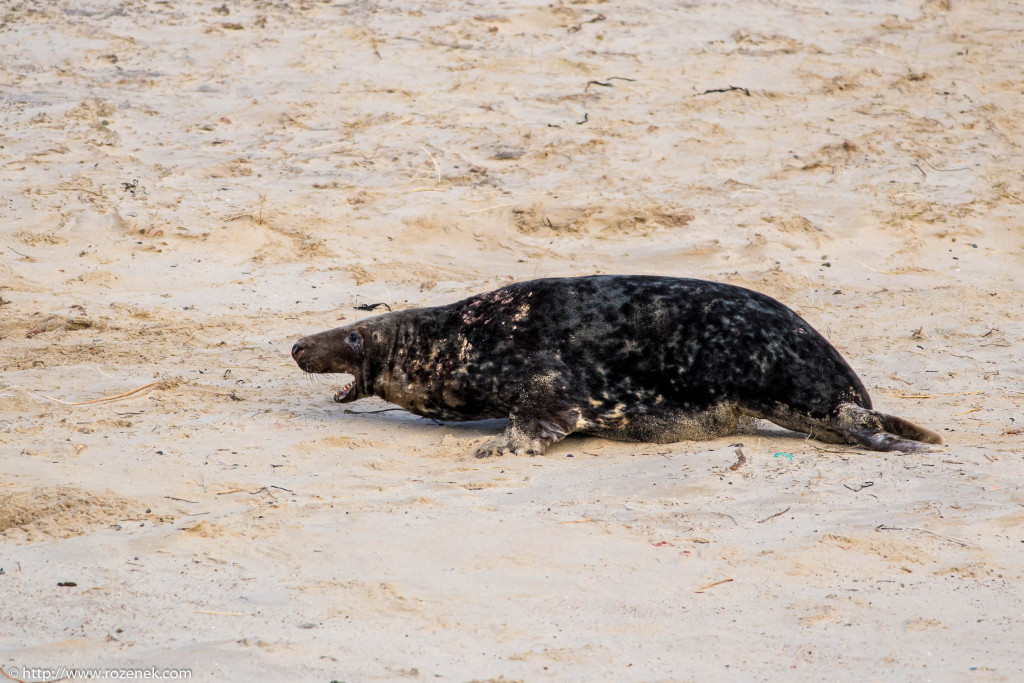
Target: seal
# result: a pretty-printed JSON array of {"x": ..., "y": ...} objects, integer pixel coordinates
[{"x": 635, "y": 358}]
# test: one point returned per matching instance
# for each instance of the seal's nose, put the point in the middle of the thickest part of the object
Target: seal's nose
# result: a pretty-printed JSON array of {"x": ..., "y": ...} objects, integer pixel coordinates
[{"x": 296, "y": 348}]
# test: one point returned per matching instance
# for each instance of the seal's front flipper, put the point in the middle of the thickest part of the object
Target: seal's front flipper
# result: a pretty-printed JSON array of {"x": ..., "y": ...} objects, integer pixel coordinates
[
  {"x": 530, "y": 436},
  {"x": 540, "y": 414},
  {"x": 881, "y": 432}
]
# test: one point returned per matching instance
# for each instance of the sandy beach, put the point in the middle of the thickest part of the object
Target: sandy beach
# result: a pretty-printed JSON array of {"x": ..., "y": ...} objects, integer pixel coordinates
[{"x": 186, "y": 189}]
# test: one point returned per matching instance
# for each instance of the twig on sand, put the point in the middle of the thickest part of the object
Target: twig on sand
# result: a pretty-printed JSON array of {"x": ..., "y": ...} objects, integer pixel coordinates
[
  {"x": 740, "y": 461},
  {"x": 712, "y": 585},
  {"x": 101, "y": 399},
  {"x": 875, "y": 270},
  {"x": 490, "y": 208},
  {"x": 722, "y": 514},
  {"x": 609, "y": 83},
  {"x": 578, "y": 27},
  {"x": 729, "y": 89},
  {"x": 24, "y": 256},
  {"x": 193, "y": 502},
  {"x": 220, "y": 614},
  {"x": 841, "y": 451},
  {"x": 288, "y": 118},
  {"x": 1009, "y": 195},
  {"x": 762, "y": 521},
  {"x": 437, "y": 168},
  {"x": 82, "y": 189},
  {"x": 201, "y": 200},
  {"x": 945, "y": 170},
  {"x": 961, "y": 393},
  {"x": 958, "y": 541},
  {"x": 251, "y": 493}
]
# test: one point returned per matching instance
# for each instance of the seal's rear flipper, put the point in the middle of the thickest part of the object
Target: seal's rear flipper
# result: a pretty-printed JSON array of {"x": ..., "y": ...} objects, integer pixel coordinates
[
  {"x": 881, "y": 432},
  {"x": 907, "y": 429}
]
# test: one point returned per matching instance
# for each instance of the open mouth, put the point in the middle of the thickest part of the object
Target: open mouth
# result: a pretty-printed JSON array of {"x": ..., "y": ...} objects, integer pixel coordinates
[{"x": 346, "y": 393}]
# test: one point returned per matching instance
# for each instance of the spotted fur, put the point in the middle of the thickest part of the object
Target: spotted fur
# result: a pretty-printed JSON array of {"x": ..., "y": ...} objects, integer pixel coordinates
[{"x": 625, "y": 357}]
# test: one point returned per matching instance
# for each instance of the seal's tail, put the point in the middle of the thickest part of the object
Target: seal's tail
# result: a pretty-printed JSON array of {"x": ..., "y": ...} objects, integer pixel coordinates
[{"x": 881, "y": 432}]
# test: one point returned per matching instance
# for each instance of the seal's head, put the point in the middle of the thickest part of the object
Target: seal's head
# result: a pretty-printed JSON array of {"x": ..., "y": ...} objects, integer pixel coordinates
[{"x": 341, "y": 350}]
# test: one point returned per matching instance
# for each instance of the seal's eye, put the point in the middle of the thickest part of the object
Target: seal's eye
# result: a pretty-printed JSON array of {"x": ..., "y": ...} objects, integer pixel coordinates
[{"x": 353, "y": 338}]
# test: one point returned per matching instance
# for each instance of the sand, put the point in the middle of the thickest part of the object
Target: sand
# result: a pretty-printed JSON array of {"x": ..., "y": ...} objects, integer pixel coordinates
[{"x": 187, "y": 189}]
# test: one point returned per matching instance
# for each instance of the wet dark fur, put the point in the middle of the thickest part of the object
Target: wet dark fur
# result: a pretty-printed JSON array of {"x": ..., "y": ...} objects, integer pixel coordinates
[{"x": 625, "y": 357}]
